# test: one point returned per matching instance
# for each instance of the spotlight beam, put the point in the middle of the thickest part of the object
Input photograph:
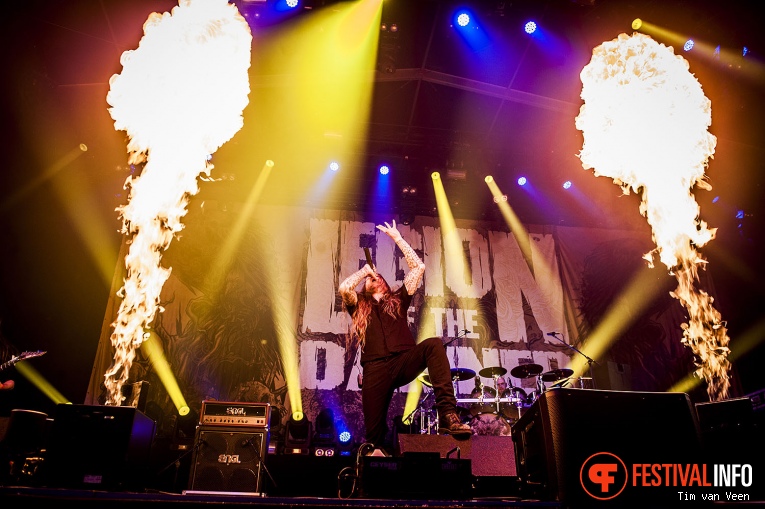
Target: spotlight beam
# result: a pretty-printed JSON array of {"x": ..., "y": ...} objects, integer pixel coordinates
[{"x": 223, "y": 262}]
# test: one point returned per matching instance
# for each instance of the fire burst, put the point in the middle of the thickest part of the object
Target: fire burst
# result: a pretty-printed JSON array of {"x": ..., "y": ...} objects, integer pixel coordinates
[
  {"x": 180, "y": 96},
  {"x": 645, "y": 121}
]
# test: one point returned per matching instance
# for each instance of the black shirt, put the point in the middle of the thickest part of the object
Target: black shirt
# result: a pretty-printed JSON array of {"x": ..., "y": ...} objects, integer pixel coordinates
[{"x": 386, "y": 335}]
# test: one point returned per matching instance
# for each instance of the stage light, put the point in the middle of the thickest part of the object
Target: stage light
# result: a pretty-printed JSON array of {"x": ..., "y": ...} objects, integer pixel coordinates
[
  {"x": 637, "y": 23},
  {"x": 462, "y": 18},
  {"x": 384, "y": 169},
  {"x": 186, "y": 426},
  {"x": 334, "y": 166},
  {"x": 688, "y": 46},
  {"x": 406, "y": 218},
  {"x": 500, "y": 198},
  {"x": 435, "y": 175},
  {"x": 325, "y": 427},
  {"x": 344, "y": 440},
  {"x": 567, "y": 184},
  {"x": 521, "y": 181},
  {"x": 324, "y": 439},
  {"x": 297, "y": 437},
  {"x": 488, "y": 179},
  {"x": 286, "y": 5},
  {"x": 530, "y": 27}
]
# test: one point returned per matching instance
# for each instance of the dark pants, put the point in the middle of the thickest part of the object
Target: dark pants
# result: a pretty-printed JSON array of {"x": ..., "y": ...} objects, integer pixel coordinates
[{"x": 382, "y": 377}]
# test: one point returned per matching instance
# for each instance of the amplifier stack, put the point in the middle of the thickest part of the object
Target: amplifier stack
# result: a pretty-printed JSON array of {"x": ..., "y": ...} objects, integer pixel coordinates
[{"x": 230, "y": 447}]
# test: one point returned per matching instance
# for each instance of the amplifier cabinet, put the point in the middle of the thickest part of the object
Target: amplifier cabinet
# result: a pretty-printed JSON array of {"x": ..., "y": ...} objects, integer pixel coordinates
[{"x": 228, "y": 460}]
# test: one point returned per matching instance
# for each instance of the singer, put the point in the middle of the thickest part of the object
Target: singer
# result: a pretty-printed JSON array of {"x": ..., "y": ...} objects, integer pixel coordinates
[{"x": 390, "y": 357}]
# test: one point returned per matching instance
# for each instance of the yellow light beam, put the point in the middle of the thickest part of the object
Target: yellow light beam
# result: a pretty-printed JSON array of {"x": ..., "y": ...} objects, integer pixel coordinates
[
  {"x": 727, "y": 58},
  {"x": 222, "y": 262},
  {"x": 152, "y": 346},
  {"x": 511, "y": 219},
  {"x": 331, "y": 93},
  {"x": 31, "y": 374},
  {"x": 59, "y": 165},
  {"x": 454, "y": 255},
  {"x": 330, "y": 62},
  {"x": 627, "y": 308}
]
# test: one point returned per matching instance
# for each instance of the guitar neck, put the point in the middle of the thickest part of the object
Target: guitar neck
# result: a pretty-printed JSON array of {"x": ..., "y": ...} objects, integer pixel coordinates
[{"x": 17, "y": 358}]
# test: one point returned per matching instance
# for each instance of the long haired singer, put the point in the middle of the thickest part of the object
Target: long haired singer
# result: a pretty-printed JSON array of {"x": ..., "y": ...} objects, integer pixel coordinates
[{"x": 390, "y": 356}]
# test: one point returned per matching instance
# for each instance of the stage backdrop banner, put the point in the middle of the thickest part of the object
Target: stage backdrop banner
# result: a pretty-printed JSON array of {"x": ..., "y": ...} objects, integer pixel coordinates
[{"x": 247, "y": 309}]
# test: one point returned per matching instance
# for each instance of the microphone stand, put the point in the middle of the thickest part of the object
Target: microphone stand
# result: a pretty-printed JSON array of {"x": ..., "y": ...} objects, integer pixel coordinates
[
  {"x": 455, "y": 338},
  {"x": 590, "y": 360}
]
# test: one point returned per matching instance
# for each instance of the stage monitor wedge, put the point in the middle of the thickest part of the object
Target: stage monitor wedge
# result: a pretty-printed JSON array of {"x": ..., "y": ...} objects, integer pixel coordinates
[
  {"x": 99, "y": 448},
  {"x": 568, "y": 434}
]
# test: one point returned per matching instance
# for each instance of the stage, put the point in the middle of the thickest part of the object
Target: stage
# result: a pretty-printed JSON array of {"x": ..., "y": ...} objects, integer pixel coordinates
[{"x": 650, "y": 450}]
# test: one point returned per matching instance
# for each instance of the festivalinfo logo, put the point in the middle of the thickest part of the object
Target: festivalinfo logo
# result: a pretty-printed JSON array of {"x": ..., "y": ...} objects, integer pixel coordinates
[{"x": 604, "y": 476}]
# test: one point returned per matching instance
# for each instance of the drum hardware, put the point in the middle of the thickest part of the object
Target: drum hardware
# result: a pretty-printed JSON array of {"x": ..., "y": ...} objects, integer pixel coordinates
[
  {"x": 460, "y": 375},
  {"x": 427, "y": 420}
]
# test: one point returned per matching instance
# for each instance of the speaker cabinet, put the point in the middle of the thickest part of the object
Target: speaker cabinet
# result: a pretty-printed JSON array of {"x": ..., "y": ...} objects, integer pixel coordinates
[
  {"x": 228, "y": 460},
  {"x": 98, "y": 447},
  {"x": 568, "y": 434}
]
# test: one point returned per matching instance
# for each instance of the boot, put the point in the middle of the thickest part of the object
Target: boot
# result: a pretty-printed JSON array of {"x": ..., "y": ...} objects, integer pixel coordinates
[{"x": 451, "y": 425}]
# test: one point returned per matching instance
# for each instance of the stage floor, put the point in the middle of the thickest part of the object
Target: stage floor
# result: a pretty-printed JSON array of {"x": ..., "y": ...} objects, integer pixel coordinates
[{"x": 40, "y": 497}]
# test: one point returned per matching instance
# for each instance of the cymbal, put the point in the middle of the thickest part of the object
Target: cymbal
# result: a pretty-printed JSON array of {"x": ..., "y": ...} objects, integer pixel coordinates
[
  {"x": 526, "y": 370},
  {"x": 492, "y": 372},
  {"x": 557, "y": 374},
  {"x": 462, "y": 374},
  {"x": 425, "y": 379}
]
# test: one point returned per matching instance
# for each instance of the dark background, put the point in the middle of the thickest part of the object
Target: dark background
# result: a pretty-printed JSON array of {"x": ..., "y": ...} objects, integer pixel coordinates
[{"x": 432, "y": 110}]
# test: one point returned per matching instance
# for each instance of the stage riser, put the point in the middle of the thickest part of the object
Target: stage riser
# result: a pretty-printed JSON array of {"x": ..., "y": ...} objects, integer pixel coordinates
[{"x": 489, "y": 455}]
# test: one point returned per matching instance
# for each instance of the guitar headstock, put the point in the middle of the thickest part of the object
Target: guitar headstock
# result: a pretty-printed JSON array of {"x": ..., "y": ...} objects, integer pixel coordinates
[{"x": 29, "y": 355}]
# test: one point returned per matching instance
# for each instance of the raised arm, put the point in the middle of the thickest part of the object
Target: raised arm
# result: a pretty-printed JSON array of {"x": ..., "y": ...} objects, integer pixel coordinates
[
  {"x": 347, "y": 288},
  {"x": 416, "y": 266}
]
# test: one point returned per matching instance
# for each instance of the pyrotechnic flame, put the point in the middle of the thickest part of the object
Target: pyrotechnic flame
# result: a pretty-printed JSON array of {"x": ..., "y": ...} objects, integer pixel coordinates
[
  {"x": 180, "y": 96},
  {"x": 645, "y": 120}
]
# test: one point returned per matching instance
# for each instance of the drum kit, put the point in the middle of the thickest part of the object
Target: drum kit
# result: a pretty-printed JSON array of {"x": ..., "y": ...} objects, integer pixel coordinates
[{"x": 487, "y": 402}]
